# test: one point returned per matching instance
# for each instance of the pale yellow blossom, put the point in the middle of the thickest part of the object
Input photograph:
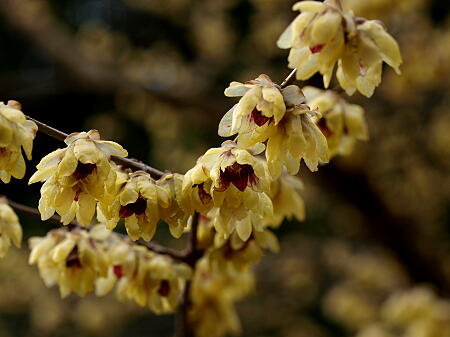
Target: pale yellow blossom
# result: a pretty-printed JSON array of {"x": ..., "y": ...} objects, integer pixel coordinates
[
  {"x": 10, "y": 229},
  {"x": 342, "y": 123},
  {"x": 71, "y": 259},
  {"x": 286, "y": 199},
  {"x": 138, "y": 202},
  {"x": 212, "y": 312},
  {"x": 76, "y": 177},
  {"x": 324, "y": 34},
  {"x": 228, "y": 185},
  {"x": 147, "y": 278},
  {"x": 16, "y": 133}
]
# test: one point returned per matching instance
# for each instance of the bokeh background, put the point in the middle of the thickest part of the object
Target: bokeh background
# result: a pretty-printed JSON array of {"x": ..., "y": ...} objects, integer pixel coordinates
[{"x": 372, "y": 258}]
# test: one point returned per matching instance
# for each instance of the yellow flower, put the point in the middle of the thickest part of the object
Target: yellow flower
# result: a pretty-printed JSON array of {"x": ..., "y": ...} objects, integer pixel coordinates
[
  {"x": 361, "y": 64},
  {"x": 342, "y": 123},
  {"x": 323, "y": 34},
  {"x": 76, "y": 177},
  {"x": 286, "y": 199},
  {"x": 262, "y": 102},
  {"x": 138, "y": 202},
  {"x": 179, "y": 208},
  {"x": 147, "y": 278},
  {"x": 16, "y": 133},
  {"x": 10, "y": 229},
  {"x": 229, "y": 182},
  {"x": 212, "y": 312},
  {"x": 294, "y": 136},
  {"x": 73, "y": 260},
  {"x": 234, "y": 255}
]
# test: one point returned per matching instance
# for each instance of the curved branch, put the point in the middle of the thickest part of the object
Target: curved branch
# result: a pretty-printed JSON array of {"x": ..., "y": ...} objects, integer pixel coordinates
[{"x": 133, "y": 164}]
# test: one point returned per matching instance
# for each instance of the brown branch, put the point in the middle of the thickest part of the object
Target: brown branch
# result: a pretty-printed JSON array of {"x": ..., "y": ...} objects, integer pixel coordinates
[
  {"x": 133, "y": 164},
  {"x": 56, "y": 219},
  {"x": 182, "y": 327}
]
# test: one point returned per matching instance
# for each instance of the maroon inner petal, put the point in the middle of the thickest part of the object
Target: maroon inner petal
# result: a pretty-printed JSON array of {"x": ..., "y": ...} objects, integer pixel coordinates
[
  {"x": 73, "y": 259},
  {"x": 258, "y": 118},
  {"x": 138, "y": 207},
  {"x": 83, "y": 170},
  {"x": 164, "y": 288},
  {"x": 238, "y": 175}
]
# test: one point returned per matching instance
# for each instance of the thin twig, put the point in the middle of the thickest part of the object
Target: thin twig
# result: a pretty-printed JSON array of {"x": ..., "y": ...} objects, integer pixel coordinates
[
  {"x": 133, "y": 164},
  {"x": 289, "y": 79},
  {"x": 56, "y": 219}
]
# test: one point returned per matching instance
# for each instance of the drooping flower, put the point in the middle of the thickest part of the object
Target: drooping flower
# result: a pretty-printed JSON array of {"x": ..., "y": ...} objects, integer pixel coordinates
[
  {"x": 212, "y": 312},
  {"x": 10, "y": 229},
  {"x": 234, "y": 255},
  {"x": 179, "y": 208},
  {"x": 138, "y": 202},
  {"x": 228, "y": 185},
  {"x": 147, "y": 278},
  {"x": 292, "y": 138},
  {"x": 16, "y": 133},
  {"x": 342, "y": 123},
  {"x": 324, "y": 34},
  {"x": 71, "y": 259},
  {"x": 286, "y": 199},
  {"x": 76, "y": 177}
]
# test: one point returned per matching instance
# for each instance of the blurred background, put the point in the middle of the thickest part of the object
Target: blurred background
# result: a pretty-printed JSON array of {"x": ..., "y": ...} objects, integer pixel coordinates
[{"x": 372, "y": 258}]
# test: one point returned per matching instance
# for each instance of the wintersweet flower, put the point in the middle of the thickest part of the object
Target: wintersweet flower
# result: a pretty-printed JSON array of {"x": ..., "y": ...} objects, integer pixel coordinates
[
  {"x": 262, "y": 102},
  {"x": 230, "y": 182},
  {"x": 16, "y": 133},
  {"x": 76, "y": 177},
  {"x": 212, "y": 312},
  {"x": 138, "y": 202},
  {"x": 147, "y": 278},
  {"x": 235, "y": 255},
  {"x": 324, "y": 34},
  {"x": 179, "y": 208},
  {"x": 286, "y": 199},
  {"x": 293, "y": 138},
  {"x": 72, "y": 260},
  {"x": 342, "y": 123},
  {"x": 10, "y": 229}
]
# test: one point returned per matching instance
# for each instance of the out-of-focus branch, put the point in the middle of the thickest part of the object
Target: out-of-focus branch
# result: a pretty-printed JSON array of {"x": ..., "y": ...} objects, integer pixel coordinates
[
  {"x": 36, "y": 22},
  {"x": 387, "y": 228},
  {"x": 126, "y": 162}
]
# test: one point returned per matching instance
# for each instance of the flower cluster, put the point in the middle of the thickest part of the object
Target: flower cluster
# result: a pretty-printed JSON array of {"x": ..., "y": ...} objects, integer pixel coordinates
[
  {"x": 10, "y": 229},
  {"x": 227, "y": 185},
  {"x": 145, "y": 277},
  {"x": 212, "y": 312},
  {"x": 83, "y": 260},
  {"x": 267, "y": 112},
  {"x": 71, "y": 259},
  {"x": 342, "y": 123},
  {"x": 324, "y": 34},
  {"x": 16, "y": 133},
  {"x": 76, "y": 177}
]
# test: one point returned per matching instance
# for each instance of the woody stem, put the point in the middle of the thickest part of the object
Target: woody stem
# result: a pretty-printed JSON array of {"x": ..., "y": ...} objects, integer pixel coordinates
[
  {"x": 154, "y": 247},
  {"x": 133, "y": 164}
]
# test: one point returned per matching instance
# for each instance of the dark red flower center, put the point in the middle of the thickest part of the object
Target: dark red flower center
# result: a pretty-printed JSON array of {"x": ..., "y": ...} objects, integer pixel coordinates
[
  {"x": 2, "y": 150},
  {"x": 138, "y": 207},
  {"x": 322, "y": 124},
  {"x": 238, "y": 175},
  {"x": 117, "y": 269},
  {"x": 205, "y": 198},
  {"x": 317, "y": 48},
  {"x": 73, "y": 259},
  {"x": 258, "y": 118},
  {"x": 83, "y": 170},
  {"x": 164, "y": 288}
]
